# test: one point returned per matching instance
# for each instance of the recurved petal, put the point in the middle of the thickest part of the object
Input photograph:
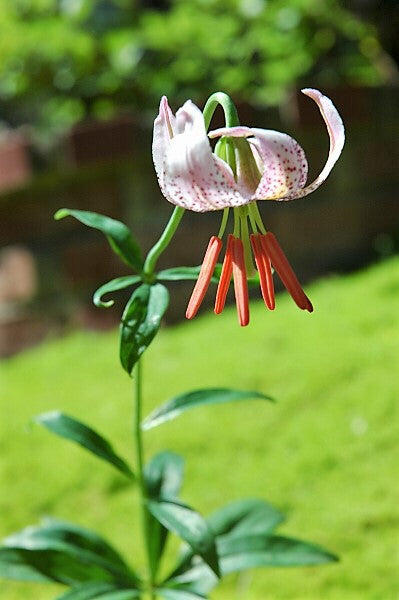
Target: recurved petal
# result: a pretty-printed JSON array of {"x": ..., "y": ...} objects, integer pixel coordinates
[
  {"x": 192, "y": 176},
  {"x": 284, "y": 162},
  {"x": 336, "y": 132},
  {"x": 164, "y": 129}
]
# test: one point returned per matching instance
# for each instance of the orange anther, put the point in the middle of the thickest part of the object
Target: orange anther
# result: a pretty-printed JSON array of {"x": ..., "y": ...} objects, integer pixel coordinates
[
  {"x": 204, "y": 277},
  {"x": 263, "y": 265},
  {"x": 280, "y": 262},
  {"x": 225, "y": 277},
  {"x": 240, "y": 282}
]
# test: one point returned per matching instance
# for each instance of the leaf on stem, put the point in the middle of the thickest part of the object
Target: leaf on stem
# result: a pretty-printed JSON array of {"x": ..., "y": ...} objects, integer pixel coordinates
[
  {"x": 140, "y": 322},
  {"x": 90, "y": 591},
  {"x": 190, "y": 526},
  {"x": 179, "y": 404},
  {"x": 62, "y": 552},
  {"x": 238, "y": 553},
  {"x": 191, "y": 274},
  {"x": 120, "y": 283},
  {"x": 118, "y": 234},
  {"x": 69, "y": 428},
  {"x": 178, "y": 594},
  {"x": 249, "y": 516},
  {"x": 163, "y": 477},
  {"x": 183, "y": 273},
  {"x": 248, "y": 551}
]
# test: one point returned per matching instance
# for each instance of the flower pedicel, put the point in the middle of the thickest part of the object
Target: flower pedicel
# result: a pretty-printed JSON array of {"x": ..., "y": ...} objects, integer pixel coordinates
[{"x": 247, "y": 165}]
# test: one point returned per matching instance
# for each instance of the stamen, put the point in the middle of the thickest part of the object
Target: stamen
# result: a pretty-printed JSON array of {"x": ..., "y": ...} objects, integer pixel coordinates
[
  {"x": 280, "y": 262},
  {"x": 225, "y": 277},
  {"x": 265, "y": 271},
  {"x": 240, "y": 282},
  {"x": 204, "y": 277}
]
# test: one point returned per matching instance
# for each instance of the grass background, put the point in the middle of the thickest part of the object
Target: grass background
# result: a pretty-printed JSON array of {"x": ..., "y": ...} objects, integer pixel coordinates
[{"x": 326, "y": 453}]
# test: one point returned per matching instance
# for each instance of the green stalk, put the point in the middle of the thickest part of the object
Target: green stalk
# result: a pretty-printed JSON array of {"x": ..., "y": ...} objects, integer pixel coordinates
[
  {"x": 230, "y": 111},
  {"x": 140, "y": 477},
  {"x": 163, "y": 242}
]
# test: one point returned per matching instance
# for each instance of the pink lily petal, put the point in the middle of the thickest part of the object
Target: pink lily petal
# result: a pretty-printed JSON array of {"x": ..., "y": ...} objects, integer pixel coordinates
[
  {"x": 192, "y": 176},
  {"x": 284, "y": 163},
  {"x": 164, "y": 129},
  {"x": 336, "y": 131}
]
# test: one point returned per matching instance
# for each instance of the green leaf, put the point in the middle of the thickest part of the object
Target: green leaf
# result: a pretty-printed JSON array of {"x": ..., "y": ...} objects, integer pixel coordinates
[
  {"x": 121, "y": 595},
  {"x": 120, "y": 283},
  {"x": 190, "y": 526},
  {"x": 181, "y": 273},
  {"x": 118, "y": 234},
  {"x": 90, "y": 591},
  {"x": 86, "y": 591},
  {"x": 140, "y": 322},
  {"x": 243, "y": 517},
  {"x": 17, "y": 564},
  {"x": 65, "y": 553},
  {"x": 69, "y": 428},
  {"x": 249, "y": 516},
  {"x": 180, "y": 404},
  {"x": 178, "y": 594},
  {"x": 248, "y": 552},
  {"x": 163, "y": 477},
  {"x": 191, "y": 274}
]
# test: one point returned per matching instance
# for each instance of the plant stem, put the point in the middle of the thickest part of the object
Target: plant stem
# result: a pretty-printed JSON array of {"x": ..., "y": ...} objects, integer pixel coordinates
[
  {"x": 140, "y": 474},
  {"x": 163, "y": 242},
  {"x": 230, "y": 111}
]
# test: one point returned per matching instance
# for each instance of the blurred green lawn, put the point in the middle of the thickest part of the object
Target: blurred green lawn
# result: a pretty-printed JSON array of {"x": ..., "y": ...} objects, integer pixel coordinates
[{"x": 326, "y": 453}]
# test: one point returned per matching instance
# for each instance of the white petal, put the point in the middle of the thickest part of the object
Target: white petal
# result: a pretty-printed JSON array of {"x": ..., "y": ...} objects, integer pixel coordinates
[
  {"x": 193, "y": 177},
  {"x": 336, "y": 131},
  {"x": 164, "y": 127},
  {"x": 284, "y": 163}
]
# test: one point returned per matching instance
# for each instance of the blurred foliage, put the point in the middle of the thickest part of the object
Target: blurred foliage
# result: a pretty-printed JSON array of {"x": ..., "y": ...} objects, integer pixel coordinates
[{"x": 62, "y": 60}]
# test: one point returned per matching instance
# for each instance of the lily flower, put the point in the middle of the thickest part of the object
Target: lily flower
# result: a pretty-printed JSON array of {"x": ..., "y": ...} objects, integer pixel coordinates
[{"x": 247, "y": 165}]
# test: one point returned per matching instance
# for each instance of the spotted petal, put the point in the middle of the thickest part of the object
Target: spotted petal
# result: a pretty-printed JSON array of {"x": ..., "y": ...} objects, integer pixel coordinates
[
  {"x": 336, "y": 131},
  {"x": 284, "y": 163},
  {"x": 192, "y": 176},
  {"x": 164, "y": 128}
]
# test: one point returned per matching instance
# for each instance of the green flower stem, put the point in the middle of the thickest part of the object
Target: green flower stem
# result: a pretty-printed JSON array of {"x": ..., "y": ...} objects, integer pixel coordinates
[
  {"x": 163, "y": 242},
  {"x": 223, "y": 223},
  {"x": 140, "y": 475},
  {"x": 254, "y": 210},
  {"x": 230, "y": 111}
]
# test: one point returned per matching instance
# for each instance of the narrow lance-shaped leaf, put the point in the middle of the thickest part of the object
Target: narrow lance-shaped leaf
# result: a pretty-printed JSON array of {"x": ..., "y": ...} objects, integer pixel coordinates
[
  {"x": 163, "y": 477},
  {"x": 69, "y": 428},
  {"x": 178, "y": 594},
  {"x": 21, "y": 565},
  {"x": 118, "y": 234},
  {"x": 251, "y": 551},
  {"x": 89, "y": 591},
  {"x": 179, "y": 404},
  {"x": 189, "y": 526},
  {"x": 140, "y": 322},
  {"x": 120, "y": 283},
  {"x": 121, "y": 595},
  {"x": 191, "y": 274},
  {"x": 250, "y": 516},
  {"x": 67, "y": 553}
]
